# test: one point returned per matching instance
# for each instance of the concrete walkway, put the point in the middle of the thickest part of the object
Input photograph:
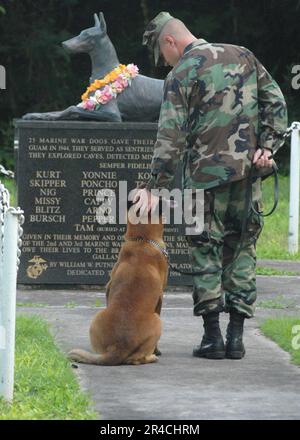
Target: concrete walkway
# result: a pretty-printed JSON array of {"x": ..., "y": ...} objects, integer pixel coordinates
[{"x": 264, "y": 385}]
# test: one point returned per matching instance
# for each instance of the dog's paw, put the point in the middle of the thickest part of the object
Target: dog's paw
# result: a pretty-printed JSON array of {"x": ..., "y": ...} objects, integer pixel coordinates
[
  {"x": 151, "y": 358},
  {"x": 76, "y": 355},
  {"x": 31, "y": 116}
]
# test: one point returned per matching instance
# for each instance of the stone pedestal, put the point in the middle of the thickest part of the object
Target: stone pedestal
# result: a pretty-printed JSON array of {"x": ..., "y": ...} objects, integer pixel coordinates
[{"x": 61, "y": 167}]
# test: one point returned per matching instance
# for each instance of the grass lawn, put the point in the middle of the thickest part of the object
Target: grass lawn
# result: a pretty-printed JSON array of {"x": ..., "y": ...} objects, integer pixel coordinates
[
  {"x": 273, "y": 242},
  {"x": 280, "y": 330},
  {"x": 277, "y": 302},
  {"x": 45, "y": 385},
  {"x": 273, "y": 272}
]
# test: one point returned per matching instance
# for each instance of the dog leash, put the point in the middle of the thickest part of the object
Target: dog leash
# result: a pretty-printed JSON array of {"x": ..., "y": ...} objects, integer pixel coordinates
[{"x": 247, "y": 207}]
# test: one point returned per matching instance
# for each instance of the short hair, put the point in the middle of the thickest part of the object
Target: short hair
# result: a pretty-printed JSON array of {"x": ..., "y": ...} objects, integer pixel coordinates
[{"x": 174, "y": 27}]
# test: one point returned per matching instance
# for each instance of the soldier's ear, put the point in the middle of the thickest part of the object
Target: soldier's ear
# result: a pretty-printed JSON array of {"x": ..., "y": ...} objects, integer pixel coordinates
[
  {"x": 102, "y": 22},
  {"x": 169, "y": 40}
]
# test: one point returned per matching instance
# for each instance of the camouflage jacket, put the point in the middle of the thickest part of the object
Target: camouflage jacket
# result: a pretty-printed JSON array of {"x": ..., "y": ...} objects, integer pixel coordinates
[{"x": 219, "y": 105}]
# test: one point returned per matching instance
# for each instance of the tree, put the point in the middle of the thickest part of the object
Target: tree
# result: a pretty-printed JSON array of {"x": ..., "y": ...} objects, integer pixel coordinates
[{"x": 41, "y": 76}]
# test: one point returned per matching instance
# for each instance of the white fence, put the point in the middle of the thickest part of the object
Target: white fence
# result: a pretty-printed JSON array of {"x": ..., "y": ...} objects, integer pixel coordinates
[
  {"x": 11, "y": 220},
  {"x": 294, "y": 189}
]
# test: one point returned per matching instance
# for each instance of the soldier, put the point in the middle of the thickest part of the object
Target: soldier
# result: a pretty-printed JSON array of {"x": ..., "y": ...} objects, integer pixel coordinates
[{"x": 221, "y": 113}]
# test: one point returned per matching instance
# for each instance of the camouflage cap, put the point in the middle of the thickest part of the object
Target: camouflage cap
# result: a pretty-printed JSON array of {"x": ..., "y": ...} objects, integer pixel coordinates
[{"x": 151, "y": 34}]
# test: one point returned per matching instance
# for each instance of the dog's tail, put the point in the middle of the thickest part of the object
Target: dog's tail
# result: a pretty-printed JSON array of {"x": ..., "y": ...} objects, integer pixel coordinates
[{"x": 85, "y": 357}]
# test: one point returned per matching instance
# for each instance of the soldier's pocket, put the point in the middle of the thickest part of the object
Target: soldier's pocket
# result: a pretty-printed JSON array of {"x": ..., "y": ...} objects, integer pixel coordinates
[{"x": 205, "y": 235}]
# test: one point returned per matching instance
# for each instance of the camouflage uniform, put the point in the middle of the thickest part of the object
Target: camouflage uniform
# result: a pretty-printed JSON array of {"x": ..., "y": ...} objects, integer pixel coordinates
[{"x": 219, "y": 105}]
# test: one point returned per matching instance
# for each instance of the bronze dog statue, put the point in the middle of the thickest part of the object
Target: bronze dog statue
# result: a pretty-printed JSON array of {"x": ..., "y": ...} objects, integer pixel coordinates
[{"x": 140, "y": 102}]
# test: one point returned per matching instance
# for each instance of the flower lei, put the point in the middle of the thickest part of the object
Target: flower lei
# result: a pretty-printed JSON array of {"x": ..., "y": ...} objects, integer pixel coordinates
[{"x": 108, "y": 87}]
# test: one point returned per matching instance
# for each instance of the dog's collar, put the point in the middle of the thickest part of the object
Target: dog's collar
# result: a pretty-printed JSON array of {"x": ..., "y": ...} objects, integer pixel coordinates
[{"x": 153, "y": 242}]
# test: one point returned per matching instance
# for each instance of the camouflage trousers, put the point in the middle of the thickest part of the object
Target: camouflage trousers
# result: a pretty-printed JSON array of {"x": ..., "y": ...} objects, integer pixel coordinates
[{"x": 234, "y": 287}]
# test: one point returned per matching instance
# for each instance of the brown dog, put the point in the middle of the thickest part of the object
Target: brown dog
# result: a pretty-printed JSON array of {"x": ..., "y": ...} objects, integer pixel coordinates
[{"x": 128, "y": 330}]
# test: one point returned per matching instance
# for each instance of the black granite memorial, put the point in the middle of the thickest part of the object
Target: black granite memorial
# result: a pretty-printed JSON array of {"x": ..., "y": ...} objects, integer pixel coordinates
[{"x": 61, "y": 167}]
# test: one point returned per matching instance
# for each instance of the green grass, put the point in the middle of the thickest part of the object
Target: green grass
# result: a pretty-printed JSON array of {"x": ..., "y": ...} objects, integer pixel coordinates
[
  {"x": 273, "y": 242},
  {"x": 278, "y": 302},
  {"x": 71, "y": 305},
  {"x": 98, "y": 302},
  {"x": 280, "y": 331},
  {"x": 45, "y": 385},
  {"x": 271, "y": 272},
  {"x": 31, "y": 304}
]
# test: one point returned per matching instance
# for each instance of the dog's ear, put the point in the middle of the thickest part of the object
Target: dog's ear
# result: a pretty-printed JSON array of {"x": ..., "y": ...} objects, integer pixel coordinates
[
  {"x": 129, "y": 204},
  {"x": 97, "y": 22},
  {"x": 141, "y": 185},
  {"x": 101, "y": 22}
]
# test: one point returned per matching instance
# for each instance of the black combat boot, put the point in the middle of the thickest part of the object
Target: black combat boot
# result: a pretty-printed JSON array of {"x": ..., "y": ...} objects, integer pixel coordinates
[
  {"x": 234, "y": 336},
  {"x": 212, "y": 344}
]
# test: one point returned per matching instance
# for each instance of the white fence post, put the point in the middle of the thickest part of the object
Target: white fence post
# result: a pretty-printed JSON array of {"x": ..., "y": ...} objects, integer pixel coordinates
[
  {"x": 4, "y": 204},
  {"x": 294, "y": 189},
  {"x": 10, "y": 243},
  {"x": 9, "y": 278}
]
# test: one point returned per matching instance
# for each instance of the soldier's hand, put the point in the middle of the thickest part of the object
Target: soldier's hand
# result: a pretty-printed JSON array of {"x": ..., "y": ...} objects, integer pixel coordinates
[{"x": 263, "y": 158}]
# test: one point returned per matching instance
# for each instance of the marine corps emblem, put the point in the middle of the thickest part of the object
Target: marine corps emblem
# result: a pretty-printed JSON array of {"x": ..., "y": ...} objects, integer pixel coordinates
[{"x": 37, "y": 268}]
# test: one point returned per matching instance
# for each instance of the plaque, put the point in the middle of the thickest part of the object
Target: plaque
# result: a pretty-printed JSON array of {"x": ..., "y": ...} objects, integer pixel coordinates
[{"x": 61, "y": 168}]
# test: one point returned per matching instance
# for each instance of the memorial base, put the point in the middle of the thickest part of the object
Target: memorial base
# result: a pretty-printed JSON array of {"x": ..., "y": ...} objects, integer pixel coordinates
[{"x": 61, "y": 167}]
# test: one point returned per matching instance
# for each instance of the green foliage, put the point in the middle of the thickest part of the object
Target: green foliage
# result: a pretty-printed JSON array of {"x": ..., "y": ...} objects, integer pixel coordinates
[
  {"x": 7, "y": 150},
  {"x": 10, "y": 185},
  {"x": 280, "y": 330},
  {"x": 45, "y": 385},
  {"x": 42, "y": 76}
]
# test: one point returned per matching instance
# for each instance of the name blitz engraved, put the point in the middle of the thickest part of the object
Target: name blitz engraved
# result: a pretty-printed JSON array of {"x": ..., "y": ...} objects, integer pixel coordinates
[{"x": 47, "y": 209}]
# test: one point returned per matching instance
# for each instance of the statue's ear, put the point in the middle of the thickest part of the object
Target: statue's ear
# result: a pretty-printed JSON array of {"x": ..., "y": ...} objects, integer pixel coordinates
[
  {"x": 102, "y": 23},
  {"x": 97, "y": 22}
]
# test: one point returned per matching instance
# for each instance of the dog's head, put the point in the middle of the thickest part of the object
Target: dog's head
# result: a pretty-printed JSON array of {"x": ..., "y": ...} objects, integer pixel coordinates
[
  {"x": 88, "y": 38},
  {"x": 148, "y": 225}
]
